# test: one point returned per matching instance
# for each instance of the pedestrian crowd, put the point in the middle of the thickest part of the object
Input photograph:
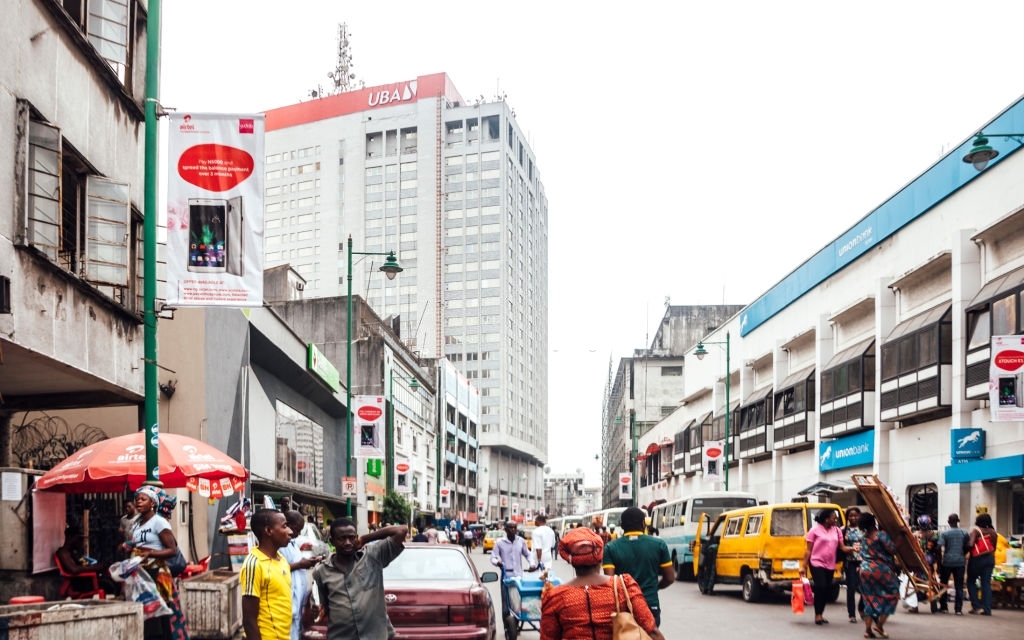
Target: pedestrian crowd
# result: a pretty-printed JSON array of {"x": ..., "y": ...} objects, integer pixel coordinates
[{"x": 873, "y": 571}]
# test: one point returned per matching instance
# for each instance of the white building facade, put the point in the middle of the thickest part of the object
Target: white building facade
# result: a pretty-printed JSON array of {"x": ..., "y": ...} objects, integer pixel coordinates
[
  {"x": 873, "y": 356},
  {"x": 454, "y": 191}
]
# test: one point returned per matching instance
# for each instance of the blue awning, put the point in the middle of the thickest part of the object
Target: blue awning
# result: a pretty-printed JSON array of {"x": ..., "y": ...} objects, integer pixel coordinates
[{"x": 980, "y": 470}]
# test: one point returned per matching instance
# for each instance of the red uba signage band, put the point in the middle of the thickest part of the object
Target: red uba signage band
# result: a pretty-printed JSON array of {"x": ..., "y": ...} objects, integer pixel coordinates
[{"x": 342, "y": 104}]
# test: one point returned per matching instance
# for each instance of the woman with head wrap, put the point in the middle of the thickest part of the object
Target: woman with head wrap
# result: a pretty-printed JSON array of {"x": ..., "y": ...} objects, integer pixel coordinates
[
  {"x": 153, "y": 539},
  {"x": 582, "y": 608}
]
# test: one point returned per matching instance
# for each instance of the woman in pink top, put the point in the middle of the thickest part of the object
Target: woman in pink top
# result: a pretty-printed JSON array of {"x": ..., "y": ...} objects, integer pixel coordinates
[{"x": 824, "y": 540}]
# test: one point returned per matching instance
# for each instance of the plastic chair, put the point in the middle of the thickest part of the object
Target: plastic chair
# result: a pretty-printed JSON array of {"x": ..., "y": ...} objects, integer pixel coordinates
[{"x": 68, "y": 590}]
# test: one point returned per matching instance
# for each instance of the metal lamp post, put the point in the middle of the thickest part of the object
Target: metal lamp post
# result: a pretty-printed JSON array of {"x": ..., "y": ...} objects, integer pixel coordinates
[
  {"x": 700, "y": 352},
  {"x": 636, "y": 467},
  {"x": 981, "y": 153},
  {"x": 390, "y": 268}
]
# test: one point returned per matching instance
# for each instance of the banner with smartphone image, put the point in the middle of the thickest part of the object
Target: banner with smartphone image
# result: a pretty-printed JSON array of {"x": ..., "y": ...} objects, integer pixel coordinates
[
  {"x": 1006, "y": 379},
  {"x": 215, "y": 210},
  {"x": 712, "y": 460},
  {"x": 368, "y": 426}
]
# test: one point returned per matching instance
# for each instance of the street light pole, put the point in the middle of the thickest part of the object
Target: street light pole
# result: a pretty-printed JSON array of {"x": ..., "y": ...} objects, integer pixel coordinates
[
  {"x": 633, "y": 463},
  {"x": 391, "y": 269},
  {"x": 700, "y": 352}
]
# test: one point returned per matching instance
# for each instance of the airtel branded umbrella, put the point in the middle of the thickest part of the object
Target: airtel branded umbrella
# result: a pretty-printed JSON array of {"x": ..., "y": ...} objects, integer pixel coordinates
[{"x": 116, "y": 464}]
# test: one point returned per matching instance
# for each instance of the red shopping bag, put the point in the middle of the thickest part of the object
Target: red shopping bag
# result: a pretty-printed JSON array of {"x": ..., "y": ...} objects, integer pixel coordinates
[
  {"x": 797, "y": 599},
  {"x": 808, "y": 592}
]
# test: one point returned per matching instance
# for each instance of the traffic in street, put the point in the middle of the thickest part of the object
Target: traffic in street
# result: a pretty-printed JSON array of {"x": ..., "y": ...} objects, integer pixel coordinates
[{"x": 686, "y": 612}]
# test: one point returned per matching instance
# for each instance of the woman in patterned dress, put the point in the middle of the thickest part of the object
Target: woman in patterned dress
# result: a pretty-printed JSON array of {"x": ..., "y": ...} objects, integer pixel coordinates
[
  {"x": 879, "y": 584},
  {"x": 582, "y": 608}
]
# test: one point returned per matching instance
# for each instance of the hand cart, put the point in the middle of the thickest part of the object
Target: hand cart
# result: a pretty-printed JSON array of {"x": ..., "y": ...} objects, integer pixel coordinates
[
  {"x": 522, "y": 595},
  {"x": 908, "y": 550}
]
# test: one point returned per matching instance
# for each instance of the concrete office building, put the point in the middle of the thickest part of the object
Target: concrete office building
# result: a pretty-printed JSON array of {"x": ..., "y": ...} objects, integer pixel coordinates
[
  {"x": 648, "y": 386},
  {"x": 875, "y": 357},
  {"x": 454, "y": 190}
]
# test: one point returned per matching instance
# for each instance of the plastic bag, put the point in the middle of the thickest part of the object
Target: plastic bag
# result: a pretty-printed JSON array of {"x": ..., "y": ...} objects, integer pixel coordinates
[
  {"x": 908, "y": 594},
  {"x": 797, "y": 598},
  {"x": 808, "y": 592},
  {"x": 139, "y": 587}
]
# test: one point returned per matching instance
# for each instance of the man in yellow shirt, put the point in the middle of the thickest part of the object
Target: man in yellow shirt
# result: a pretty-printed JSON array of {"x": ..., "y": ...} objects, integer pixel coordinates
[{"x": 266, "y": 580}]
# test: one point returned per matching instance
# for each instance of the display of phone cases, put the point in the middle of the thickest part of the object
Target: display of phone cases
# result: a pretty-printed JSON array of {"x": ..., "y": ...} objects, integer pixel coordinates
[{"x": 208, "y": 238}]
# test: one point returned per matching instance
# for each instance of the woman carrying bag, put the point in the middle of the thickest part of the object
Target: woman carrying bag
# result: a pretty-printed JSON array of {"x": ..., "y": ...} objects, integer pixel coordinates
[
  {"x": 982, "y": 545},
  {"x": 153, "y": 540},
  {"x": 583, "y": 608}
]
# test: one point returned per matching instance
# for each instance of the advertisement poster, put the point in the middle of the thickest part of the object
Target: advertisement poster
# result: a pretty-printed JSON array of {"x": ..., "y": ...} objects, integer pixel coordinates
[
  {"x": 625, "y": 486},
  {"x": 403, "y": 482},
  {"x": 368, "y": 426},
  {"x": 713, "y": 460},
  {"x": 215, "y": 210},
  {"x": 1006, "y": 378}
]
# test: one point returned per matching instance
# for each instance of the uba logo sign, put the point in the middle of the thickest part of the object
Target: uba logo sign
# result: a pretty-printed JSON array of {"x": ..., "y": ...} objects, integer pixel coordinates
[{"x": 402, "y": 92}]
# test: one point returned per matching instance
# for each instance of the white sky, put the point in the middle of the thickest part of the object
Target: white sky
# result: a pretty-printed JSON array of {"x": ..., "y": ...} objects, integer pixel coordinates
[{"x": 692, "y": 150}]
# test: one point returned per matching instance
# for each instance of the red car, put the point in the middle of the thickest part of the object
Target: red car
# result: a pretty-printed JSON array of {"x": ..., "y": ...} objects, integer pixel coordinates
[{"x": 433, "y": 592}]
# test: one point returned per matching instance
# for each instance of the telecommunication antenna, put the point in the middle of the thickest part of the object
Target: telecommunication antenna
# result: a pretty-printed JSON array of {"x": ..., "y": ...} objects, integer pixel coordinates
[{"x": 343, "y": 77}]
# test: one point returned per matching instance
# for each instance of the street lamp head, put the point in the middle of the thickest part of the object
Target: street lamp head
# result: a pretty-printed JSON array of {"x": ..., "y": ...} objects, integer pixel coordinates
[
  {"x": 414, "y": 385},
  {"x": 391, "y": 268},
  {"x": 981, "y": 153},
  {"x": 700, "y": 351}
]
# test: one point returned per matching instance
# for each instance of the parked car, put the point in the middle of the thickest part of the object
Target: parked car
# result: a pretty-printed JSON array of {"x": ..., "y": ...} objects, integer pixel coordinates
[
  {"x": 311, "y": 542},
  {"x": 434, "y": 591}
]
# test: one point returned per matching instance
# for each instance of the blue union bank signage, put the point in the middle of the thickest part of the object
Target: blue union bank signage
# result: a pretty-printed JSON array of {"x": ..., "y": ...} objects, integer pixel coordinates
[{"x": 850, "y": 451}]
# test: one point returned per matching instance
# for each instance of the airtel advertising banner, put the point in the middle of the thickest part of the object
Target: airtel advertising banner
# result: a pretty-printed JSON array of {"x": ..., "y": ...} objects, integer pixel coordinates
[
  {"x": 1006, "y": 379},
  {"x": 713, "y": 460},
  {"x": 368, "y": 426},
  {"x": 215, "y": 210}
]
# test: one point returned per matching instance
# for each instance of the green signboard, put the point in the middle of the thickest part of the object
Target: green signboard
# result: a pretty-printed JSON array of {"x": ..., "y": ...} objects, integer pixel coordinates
[{"x": 322, "y": 368}]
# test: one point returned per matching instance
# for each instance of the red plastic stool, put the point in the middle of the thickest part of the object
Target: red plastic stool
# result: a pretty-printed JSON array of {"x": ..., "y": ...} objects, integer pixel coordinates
[{"x": 26, "y": 600}]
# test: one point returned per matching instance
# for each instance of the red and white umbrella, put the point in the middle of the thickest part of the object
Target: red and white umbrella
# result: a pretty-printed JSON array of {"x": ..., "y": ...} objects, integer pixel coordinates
[{"x": 116, "y": 464}]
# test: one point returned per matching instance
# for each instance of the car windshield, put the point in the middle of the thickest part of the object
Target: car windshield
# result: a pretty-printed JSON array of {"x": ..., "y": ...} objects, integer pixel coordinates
[{"x": 429, "y": 563}]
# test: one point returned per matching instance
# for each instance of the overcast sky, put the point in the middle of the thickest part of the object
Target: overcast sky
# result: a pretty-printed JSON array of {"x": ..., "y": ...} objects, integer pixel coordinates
[{"x": 697, "y": 151}]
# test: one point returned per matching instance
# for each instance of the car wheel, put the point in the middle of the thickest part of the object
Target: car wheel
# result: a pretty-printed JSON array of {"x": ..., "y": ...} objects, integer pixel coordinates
[{"x": 751, "y": 588}]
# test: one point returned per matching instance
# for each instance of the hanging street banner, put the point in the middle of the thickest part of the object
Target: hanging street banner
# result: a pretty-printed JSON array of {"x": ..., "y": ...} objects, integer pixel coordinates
[
  {"x": 368, "y": 426},
  {"x": 1006, "y": 378},
  {"x": 625, "y": 485},
  {"x": 215, "y": 210},
  {"x": 713, "y": 459},
  {"x": 403, "y": 477}
]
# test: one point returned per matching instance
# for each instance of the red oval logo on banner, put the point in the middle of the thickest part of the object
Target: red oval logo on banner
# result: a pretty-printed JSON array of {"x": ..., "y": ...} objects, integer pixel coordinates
[
  {"x": 714, "y": 452},
  {"x": 402, "y": 467},
  {"x": 445, "y": 492},
  {"x": 369, "y": 412},
  {"x": 1009, "y": 360},
  {"x": 215, "y": 167}
]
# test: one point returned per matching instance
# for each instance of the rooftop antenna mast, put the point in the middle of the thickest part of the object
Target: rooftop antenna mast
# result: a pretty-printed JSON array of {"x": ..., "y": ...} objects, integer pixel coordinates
[{"x": 343, "y": 77}]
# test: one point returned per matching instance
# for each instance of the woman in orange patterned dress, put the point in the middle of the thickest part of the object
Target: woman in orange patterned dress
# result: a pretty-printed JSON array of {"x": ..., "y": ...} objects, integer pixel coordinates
[{"x": 582, "y": 608}]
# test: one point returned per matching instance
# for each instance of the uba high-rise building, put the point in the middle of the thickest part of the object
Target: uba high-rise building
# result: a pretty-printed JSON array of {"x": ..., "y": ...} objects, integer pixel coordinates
[{"x": 453, "y": 188}]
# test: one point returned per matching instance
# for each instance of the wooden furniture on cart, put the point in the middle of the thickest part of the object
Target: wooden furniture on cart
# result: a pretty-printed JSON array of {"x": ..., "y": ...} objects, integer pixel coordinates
[{"x": 909, "y": 553}]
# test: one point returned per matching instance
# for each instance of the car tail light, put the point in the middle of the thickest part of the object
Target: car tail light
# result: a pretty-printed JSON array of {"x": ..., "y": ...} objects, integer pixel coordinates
[{"x": 477, "y": 612}]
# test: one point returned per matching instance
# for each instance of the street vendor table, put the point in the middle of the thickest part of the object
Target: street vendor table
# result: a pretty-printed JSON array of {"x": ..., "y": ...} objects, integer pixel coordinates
[{"x": 1008, "y": 592}]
